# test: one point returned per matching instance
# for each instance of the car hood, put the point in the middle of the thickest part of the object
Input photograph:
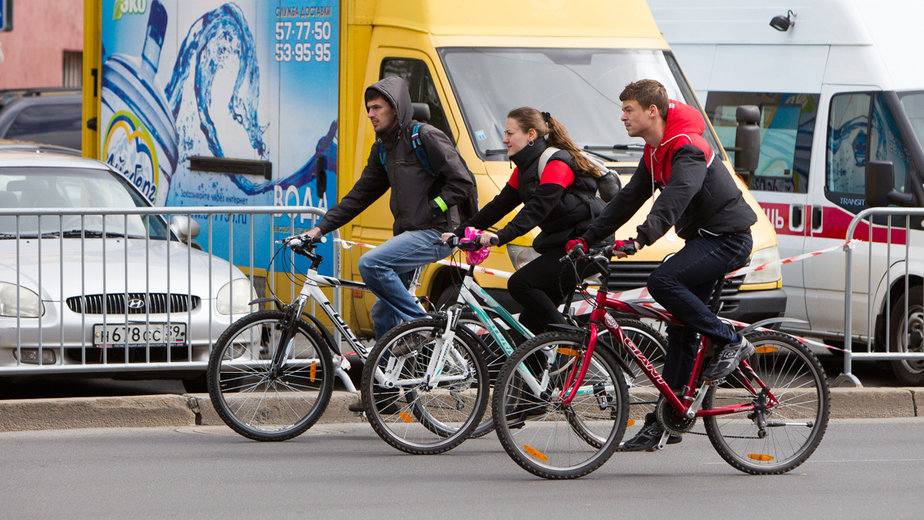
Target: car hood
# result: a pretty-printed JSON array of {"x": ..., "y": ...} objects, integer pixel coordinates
[{"x": 131, "y": 265}]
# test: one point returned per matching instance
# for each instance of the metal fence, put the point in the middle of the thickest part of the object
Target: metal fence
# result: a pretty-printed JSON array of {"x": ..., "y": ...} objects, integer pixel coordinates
[
  {"x": 886, "y": 312},
  {"x": 102, "y": 291}
]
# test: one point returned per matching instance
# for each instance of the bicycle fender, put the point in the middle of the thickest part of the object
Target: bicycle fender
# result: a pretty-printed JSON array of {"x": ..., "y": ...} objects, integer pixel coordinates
[{"x": 769, "y": 321}]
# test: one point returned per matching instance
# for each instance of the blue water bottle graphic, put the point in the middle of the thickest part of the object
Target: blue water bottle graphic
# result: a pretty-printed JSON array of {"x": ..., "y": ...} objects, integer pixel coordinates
[{"x": 139, "y": 136}]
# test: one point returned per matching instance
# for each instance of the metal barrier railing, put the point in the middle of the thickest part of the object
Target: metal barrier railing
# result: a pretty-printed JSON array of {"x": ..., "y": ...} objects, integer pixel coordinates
[
  {"x": 894, "y": 279},
  {"x": 63, "y": 309}
]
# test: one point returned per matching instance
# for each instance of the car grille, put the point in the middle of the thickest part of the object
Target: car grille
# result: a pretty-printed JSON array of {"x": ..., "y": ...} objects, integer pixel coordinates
[
  {"x": 632, "y": 275},
  {"x": 133, "y": 303}
]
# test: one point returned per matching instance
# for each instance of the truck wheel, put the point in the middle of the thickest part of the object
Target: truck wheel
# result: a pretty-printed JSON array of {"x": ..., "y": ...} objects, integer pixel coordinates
[
  {"x": 908, "y": 371},
  {"x": 448, "y": 296}
]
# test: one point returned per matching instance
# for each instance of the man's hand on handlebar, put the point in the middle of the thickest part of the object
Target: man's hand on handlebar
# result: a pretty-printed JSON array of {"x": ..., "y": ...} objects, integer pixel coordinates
[
  {"x": 624, "y": 248},
  {"x": 576, "y": 246}
]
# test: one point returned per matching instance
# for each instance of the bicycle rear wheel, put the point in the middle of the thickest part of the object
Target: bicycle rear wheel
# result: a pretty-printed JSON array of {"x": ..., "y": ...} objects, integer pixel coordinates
[
  {"x": 542, "y": 435},
  {"x": 400, "y": 404},
  {"x": 794, "y": 427},
  {"x": 250, "y": 397}
]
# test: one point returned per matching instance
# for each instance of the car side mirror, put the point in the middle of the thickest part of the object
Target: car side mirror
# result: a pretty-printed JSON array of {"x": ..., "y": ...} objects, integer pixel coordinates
[
  {"x": 185, "y": 228},
  {"x": 880, "y": 186},
  {"x": 747, "y": 139}
]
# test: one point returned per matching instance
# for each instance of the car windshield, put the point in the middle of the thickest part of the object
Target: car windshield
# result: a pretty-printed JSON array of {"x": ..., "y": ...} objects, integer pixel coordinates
[
  {"x": 579, "y": 87},
  {"x": 73, "y": 188}
]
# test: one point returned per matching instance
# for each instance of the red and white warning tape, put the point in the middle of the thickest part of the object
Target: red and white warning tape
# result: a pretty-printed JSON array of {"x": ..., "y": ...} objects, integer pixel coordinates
[{"x": 346, "y": 244}]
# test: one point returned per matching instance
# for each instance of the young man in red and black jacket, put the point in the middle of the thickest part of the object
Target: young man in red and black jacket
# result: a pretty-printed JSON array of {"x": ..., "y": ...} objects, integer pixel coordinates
[{"x": 701, "y": 201}]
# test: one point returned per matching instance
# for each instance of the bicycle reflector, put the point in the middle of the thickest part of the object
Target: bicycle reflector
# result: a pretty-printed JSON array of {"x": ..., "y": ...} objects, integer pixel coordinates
[
  {"x": 535, "y": 453},
  {"x": 760, "y": 457}
]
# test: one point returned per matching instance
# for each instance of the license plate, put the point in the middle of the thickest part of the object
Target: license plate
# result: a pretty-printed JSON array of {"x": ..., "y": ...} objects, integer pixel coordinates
[{"x": 139, "y": 335}]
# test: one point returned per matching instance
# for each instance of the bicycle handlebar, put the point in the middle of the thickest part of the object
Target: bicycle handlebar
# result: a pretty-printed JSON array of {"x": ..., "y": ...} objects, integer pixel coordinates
[{"x": 467, "y": 245}]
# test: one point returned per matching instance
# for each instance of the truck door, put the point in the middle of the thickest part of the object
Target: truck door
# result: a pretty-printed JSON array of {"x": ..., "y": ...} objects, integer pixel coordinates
[
  {"x": 781, "y": 182},
  {"x": 860, "y": 126}
]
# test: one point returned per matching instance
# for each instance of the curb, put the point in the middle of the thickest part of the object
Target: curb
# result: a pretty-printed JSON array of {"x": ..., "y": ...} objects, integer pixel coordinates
[{"x": 196, "y": 409}]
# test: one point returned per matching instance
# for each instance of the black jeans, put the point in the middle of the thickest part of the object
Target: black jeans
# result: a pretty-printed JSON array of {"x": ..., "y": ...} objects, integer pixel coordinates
[
  {"x": 683, "y": 285},
  {"x": 540, "y": 287}
]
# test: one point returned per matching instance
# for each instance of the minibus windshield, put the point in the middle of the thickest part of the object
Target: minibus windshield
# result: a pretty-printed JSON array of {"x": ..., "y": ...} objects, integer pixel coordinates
[{"x": 579, "y": 87}]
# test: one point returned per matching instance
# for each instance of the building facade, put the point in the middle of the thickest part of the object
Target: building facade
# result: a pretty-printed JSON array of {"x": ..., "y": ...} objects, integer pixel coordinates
[{"x": 44, "y": 49}]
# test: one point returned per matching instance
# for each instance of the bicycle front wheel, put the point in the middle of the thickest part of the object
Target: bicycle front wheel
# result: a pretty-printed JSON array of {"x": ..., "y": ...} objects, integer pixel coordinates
[
  {"x": 417, "y": 408},
  {"x": 783, "y": 436},
  {"x": 258, "y": 401},
  {"x": 543, "y": 435}
]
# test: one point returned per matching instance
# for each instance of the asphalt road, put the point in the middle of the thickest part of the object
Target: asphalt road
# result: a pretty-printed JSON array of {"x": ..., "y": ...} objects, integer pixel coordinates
[{"x": 863, "y": 469}]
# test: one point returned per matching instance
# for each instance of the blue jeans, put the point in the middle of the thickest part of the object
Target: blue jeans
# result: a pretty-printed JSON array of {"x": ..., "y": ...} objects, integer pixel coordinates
[
  {"x": 683, "y": 285},
  {"x": 387, "y": 271}
]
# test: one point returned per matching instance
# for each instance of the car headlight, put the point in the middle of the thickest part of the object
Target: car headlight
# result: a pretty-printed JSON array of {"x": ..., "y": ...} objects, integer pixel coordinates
[
  {"x": 520, "y": 255},
  {"x": 235, "y": 297},
  {"x": 769, "y": 274},
  {"x": 26, "y": 305}
]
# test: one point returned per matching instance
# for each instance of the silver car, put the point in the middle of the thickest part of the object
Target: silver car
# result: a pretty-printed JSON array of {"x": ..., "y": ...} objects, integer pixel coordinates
[{"x": 85, "y": 292}]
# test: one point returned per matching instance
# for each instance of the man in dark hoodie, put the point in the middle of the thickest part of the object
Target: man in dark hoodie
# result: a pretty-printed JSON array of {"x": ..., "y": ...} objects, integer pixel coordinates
[
  {"x": 700, "y": 199},
  {"x": 424, "y": 203}
]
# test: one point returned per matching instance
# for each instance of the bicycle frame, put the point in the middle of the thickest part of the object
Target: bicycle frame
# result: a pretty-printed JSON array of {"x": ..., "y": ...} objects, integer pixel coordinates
[
  {"x": 693, "y": 395},
  {"x": 311, "y": 290}
]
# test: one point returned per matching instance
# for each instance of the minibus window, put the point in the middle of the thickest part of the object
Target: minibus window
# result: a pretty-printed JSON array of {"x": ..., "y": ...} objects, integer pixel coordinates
[
  {"x": 886, "y": 143},
  {"x": 787, "y": 123},
  {"x": 420, "y": 85},
  {"x": 848, "y": 131},
  {"x": 860, "y": 124},
  {"x": 913, "y": 103}
]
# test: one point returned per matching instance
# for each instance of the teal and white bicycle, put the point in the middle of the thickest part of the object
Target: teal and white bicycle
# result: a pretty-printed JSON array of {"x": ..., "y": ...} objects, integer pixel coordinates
[{"x": 479, "y": 321}]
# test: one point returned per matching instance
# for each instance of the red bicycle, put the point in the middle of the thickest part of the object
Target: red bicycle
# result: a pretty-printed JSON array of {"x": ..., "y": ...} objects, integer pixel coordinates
[{"x": 561, "y": 403}]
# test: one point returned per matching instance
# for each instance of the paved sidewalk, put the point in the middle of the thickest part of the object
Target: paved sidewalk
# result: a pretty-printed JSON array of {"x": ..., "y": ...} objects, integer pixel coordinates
[{"x": 193, "y": 409}]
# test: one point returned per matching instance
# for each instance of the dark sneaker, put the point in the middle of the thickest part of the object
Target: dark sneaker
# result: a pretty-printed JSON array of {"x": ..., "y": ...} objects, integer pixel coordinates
[
  {"x": 726, "y": 361},
  {"x": 648, "y": 438},
  {"x": 356, "y": 406}
]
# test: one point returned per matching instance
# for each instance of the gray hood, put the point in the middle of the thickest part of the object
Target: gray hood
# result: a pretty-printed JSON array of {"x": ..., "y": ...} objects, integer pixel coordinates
[{"x": 394, "y": 90}]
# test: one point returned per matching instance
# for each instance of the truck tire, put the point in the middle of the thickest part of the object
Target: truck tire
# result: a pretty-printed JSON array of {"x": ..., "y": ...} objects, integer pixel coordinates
[{"x": 908, "y": 371}]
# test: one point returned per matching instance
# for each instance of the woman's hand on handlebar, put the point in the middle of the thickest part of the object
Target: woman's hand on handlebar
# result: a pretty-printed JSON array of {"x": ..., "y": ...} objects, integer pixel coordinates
[{"x": 488, "y": 239}]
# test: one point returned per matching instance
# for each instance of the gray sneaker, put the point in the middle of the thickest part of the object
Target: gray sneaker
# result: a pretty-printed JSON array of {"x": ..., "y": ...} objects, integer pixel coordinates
[{"x": 726, "y": 361}]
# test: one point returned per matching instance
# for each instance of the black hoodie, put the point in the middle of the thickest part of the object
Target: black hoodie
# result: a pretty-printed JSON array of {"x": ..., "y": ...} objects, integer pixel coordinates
[{"x": 413, "y": 188}]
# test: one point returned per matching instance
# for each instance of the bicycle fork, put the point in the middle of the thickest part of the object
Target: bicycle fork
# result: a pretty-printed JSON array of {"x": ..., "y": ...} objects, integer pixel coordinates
[{"x": 288, "y": 332}]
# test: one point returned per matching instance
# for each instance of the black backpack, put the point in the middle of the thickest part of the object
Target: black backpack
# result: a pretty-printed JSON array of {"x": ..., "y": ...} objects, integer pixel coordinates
[
  {"x": 607, "y": 182},
  {"x": 468, "y": 208}
]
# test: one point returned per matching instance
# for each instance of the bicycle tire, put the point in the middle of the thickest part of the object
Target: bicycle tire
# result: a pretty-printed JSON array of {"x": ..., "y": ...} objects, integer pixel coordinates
[
  {"x": 253, "y": 401},
  {"x": 536, "y": 431},
  {"x": 412, "y": 417},
  {"x": 796, "y": 426}
]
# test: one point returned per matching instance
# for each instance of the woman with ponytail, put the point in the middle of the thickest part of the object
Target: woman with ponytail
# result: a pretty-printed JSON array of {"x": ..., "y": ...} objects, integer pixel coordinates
[{"x": 557, "y": 200}]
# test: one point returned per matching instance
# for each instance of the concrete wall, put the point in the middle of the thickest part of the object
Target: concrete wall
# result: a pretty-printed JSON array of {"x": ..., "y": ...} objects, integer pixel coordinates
[{"x": 42, "y": 31}]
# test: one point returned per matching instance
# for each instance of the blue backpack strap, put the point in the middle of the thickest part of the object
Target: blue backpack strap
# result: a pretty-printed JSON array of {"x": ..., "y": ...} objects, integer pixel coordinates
[
  {"x": 382, "y": 155},
  {"x": 420, "y": 150}
]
